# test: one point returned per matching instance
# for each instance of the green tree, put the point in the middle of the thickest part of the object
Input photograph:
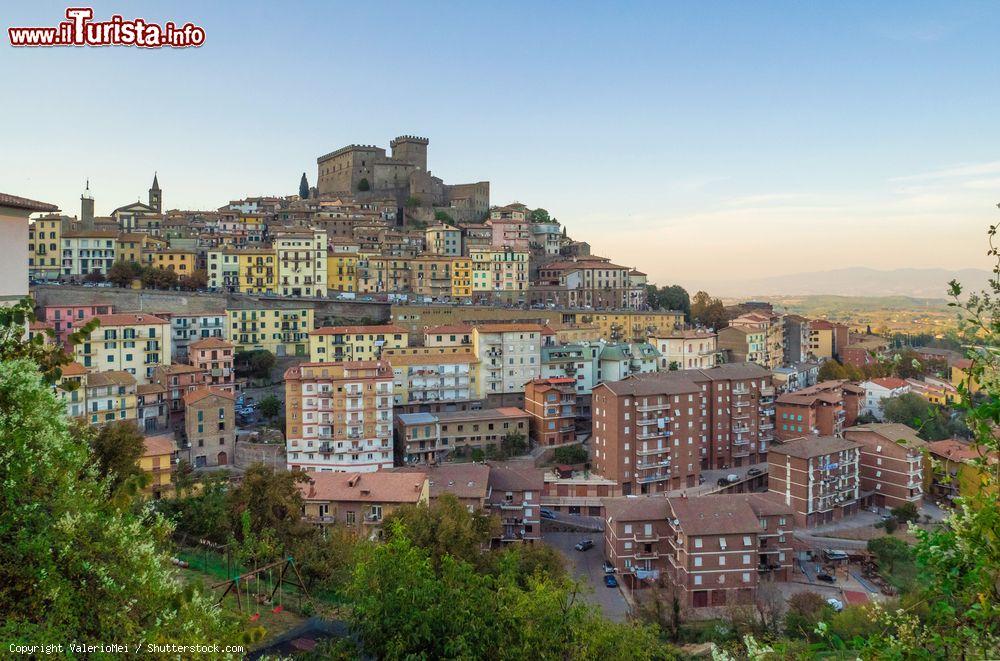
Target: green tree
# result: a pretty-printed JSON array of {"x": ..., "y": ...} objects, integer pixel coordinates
[
  {"x": 116, "y": 448},
  {"x": 514, "y": 444},
  {"x": 913, "y": 410},
  {"x": 304, "y": 187},
  {"x": 805, "y": 610},
  {"x": 270, "y": 407},
  {"x": 539, "y": 216},
  {"x": 122, "y": 273},
  {"x": 443, "y": 217},
  {"x": 198, "y": 279},
  {"x": 273, "y": 502},
  {"x": 94, "y": 276},
  {"x": 48, "y": 355},
  {"x": 889, "y": 550},
  {"x": 200, "y": 512},
  {"x": 570, "y": 454},
  {"x": 906, "y": 513},
  {"x": 708, "y": 311},
  {"x": 831, "y": 370},
  {"x": 672, "y": 297},
  {"x": 256, "y": 364},
  {"x": 412, "y": 202},
  {"x": 363, "y": 185},
  {"x": 445, "y": 528},
  {"x": 75, "y": 565}
]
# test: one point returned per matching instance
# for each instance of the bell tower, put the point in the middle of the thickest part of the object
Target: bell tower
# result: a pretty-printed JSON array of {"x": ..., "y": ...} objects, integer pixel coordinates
[{"x": 156, "y": 196}]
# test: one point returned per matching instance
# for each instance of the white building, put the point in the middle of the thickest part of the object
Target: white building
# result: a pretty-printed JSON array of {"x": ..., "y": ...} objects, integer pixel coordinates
[
  {"x": 878, "y": 390},
  {"x": 14, "y": 212},
  {"x": 509, "y": 356},
  {"x": 188, "y": 328},
  {"x": 86, "y": 251}
]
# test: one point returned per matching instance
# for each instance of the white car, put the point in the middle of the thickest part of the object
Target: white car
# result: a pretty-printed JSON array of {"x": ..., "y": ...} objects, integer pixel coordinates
[{"x": 835, "y": 604}]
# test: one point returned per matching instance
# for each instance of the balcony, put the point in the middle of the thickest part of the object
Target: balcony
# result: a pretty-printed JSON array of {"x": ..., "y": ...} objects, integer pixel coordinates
[
  {"x": 658, "y": 477},
  {"x": 647, "y": 408},
  {"x": 647, "y": 465},
  {"x": 660, "y": 433},
  {"x": 644, "y": 451},
  {"x": 647, "y": 555}
]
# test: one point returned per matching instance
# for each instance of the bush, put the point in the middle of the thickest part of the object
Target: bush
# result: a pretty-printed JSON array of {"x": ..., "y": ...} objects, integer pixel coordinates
[{"x": 571, "y": 454}]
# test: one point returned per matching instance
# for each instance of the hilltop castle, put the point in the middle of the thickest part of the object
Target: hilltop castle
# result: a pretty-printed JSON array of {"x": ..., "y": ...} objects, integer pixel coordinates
[{"x": 367, "y": 172}]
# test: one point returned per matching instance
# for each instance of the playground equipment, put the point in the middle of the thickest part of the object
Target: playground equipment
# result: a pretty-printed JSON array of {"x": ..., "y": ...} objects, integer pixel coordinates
[{"x": 243, "y": 587}]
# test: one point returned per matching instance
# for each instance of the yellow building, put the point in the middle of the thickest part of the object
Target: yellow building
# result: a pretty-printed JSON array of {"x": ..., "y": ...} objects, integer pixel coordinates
[
  {"x": 342, "y": 271},
  {"x": 283, "y": 332},
  {"x": 133, "y": 342},
  {"x": 334, "y": 344},
  {"x": 110, "y": 396},
  {"x": 627, "y": 326},
  {"x": 131, "y": 247},
  {"x": 302, "y": 267},
  {"x": 75, "y": 400},
  {"x": 960, "y": 375},
  {"x": 44, "y": 236},
  {"x": 432, "y": 376},
  {"x": 157, "y": 461},
  {"x": 499, "y": 270},
  {"x": 952, "y": 471},
  {"x": 181, "y": 262},
  {"x": 258, "y": 270},
  {"x": 430, "y": 275},
  {"x": 461, "y": 277}
]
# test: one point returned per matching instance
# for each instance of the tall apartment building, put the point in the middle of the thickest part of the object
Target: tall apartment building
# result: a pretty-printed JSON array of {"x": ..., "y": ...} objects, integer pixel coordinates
[
  {"x": 744, "y": 344},
  {"x": 827, "y": 338},
  {"x": 591, "y": 282},
  {"x": 824, "y": 409},
  {"x": 216, "y": 357},
  {"x": 110, "y": 396},
  {"x": 432, "y": 379},
  {"x": 818, "y": 477},
  {"x": 771, "y": 324},
  {"x": 64, "y": 319},
  {"x": 578, "y": 362},
  {"x": 892, "y": 463},
  {"x": 88, "y": 251},
  {"x": 134, "y": 342},
  {"x": 687, "y": 349},
  {"x": 796, "y": 329},
  {"x": 432, "y": 437},
  {"x": 331, "y": 344},
  {"x": 551, "y": 403},
  {"x": 515, "y": 497},
  {"x": 301, "y": 256},
  {"x": 44, "y": 240},
  {"x": 443, "y": 239},
  {"x": 224, "y": 269},
  {"x": 719, "y": 547},
  {"x": 500, "y": 273},
  {"x": 339, "y": 416},
  {"x": 258, "y": 271},
  {"x": 656, "y": 432},
  {"x": 509, "y": 356},
  {"x": 282, "y": 331}
]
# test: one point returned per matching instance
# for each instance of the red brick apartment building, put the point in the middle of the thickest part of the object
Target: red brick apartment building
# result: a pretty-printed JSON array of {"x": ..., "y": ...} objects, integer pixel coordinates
[
  {"x": 892, "y": 463},
  {"x": 515, "y": 496},
  {"x": 551, "y": 403},
  {"x": 818, "y": 477},
  {"x": 824, "y": 409},
  {"x": 716, "y": 549},
  {"x": 656, "y": 432}
]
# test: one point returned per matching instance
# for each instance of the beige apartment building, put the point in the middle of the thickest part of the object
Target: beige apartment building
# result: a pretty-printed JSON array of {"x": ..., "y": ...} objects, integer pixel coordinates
[
  {"x": 339, "y": 416},
  {"x": 818, "y": 477},
  {"x": 509, "y": 356},
  {"x": 432, "y": 378},
  {"x": 432, "y": 437},
  {"x": 301, "y": 262},
  {"x": 360, "y": 500},
  {"x": 133, "y": 342},
  {"x": 656, "y": 432},
  {"x": 687, "y": 349},
  {"x": 771, "y": 326},
  {"x": 892, "y": 463}
]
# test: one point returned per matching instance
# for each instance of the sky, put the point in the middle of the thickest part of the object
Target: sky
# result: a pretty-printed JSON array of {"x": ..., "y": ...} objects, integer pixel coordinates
[{"x": 698, "y": 142}]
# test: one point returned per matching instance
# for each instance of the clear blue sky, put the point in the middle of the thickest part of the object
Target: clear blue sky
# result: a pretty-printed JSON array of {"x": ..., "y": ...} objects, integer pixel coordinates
[{"x": 694, "y": 140}]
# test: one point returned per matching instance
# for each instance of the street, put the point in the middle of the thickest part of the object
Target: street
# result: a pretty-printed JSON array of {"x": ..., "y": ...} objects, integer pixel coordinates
[{"x": 586, "y": 566}]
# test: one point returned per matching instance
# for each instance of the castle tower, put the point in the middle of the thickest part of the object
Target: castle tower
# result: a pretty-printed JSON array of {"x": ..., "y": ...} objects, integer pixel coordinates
[
  {"x": 156, "y": 196},
  {"x": 87, "y": 208},
  {"x": 410, "y": 149}
]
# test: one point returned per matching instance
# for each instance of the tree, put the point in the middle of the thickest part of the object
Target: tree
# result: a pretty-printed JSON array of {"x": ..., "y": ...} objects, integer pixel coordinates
[
  {"x": 906, "y": 513},
  {"x": 273, "y": 505},
  {"x": 831, "y": 370},
  {"x": 570, "y": 454},
  {"x": 303, "y": 187},
  {"x": 122, "y": 273},
  {"x": 412, "y": 202},
  {"x": 804, "y": 611},
  {"x": 444, "y": 528},
  {"x": 514, "y": 444},
  {"x": 443, "y": 217},
  {"x": 116, "y": 448},
  {"x": 363, "y": 185},
  {"x": 256, "y": 364},
  {"x": 75, "y": 565},
  {"x": 156, "y": 278},
  {"x": 889, "y": 550},
  {"x": 94, "y": 276},
  {"x": 47, "y": 355},
  {"x": 270, "y": 407},
  {"x": 913, "y": 410},
  {"x": 672, "y": 297},
  {"x": 202, "y": 512},
  {"x": 539, "y": 216},
  {"x": 708, "y": 311},
  {"x": 664, "y": 607},
  {"x": 198, "y": 279}
]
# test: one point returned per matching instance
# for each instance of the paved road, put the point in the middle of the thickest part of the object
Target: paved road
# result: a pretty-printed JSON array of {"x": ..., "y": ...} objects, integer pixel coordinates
[
  {"x": 586, "y": 565},
  {"x": 830, "y": 542}
]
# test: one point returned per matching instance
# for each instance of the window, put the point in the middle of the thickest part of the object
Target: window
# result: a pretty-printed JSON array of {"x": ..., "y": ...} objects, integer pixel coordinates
[
  {"x": 697, "y": 542},
  {"x": 697, "y": 561},
  {"x": 746, "y": 541},
  {"x": 697, "y": 580},
  {"x": 746, "y": 559},
  {"x": 746, "y": 577},
  {"x": 722, "y": 561}
]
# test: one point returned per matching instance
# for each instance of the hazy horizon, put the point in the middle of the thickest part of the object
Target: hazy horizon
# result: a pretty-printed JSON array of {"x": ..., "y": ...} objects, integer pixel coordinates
[{"x": 696, "y": 143}]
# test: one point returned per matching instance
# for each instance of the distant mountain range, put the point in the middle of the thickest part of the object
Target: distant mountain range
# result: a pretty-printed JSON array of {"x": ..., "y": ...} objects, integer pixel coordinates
[{"x": 855, "y": 281}]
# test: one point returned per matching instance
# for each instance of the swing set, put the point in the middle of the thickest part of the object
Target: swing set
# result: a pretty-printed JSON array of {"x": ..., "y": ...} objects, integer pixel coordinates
[{"x": 243, "y": 586}]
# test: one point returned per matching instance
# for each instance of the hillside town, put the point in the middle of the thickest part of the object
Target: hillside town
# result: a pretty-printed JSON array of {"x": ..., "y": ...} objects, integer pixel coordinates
[{"x": 396, "y": 340}]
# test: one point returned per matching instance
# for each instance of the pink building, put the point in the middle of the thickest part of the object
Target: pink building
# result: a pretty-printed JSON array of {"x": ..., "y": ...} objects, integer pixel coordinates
[
  {"x": 511, "y": 233},
  {"x": 64, "y": 319},
  {"x": 179, "y": 379},
  {"x": 215, "y": 357}
]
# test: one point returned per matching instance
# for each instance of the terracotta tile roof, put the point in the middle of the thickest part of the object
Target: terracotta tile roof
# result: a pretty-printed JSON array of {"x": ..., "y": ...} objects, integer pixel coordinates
[
  {"x": 956, "y": 450},
  {"x": 90, "y": 234},
  {"x": 149, "y": 388},
  {"x": 448, "y": 329},
  {"x": 582, "y": 264},
  {"x": 812, "y": 446},
  {"x": 195, "y": 396},
  {"x": 129, "y": 319},
  {"x": 516, "y": 476},
  {"x": 377, "y": 487},
  {"x": 387, "y": 329},
  {"x": 180, "y": 368},
  {"x": 429, "y": 359},
  {"x": 463, "y": 480},
  {"x": 15, "y": 202},
  {"x": 890, "y": 431},
  {"x": 714, "y": 515},
  {"x": 211, "y": 343},
  {"x": 890, "y": 383},
  {"x": 636, "y": 508},
  {"x": 73, "y": 369},
  {"x": 158, "y": 445},
  {"x": 510, "y": 328}
]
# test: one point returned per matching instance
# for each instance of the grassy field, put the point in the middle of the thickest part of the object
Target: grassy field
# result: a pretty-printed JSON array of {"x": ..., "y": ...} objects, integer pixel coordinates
[{"x": 899, "y": 314}]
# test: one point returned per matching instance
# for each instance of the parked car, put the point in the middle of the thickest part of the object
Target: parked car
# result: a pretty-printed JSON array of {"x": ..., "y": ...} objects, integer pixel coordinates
[
  {"x": 610, "y": 581},
  {"x": 585, "y": 545},
  {"x": 835, "y": 604},
  {"x": 608, "y": 567},
  {"x": 754, "y": 471},
  {"x": 826, "y": 578},
  {"x": 723, "y": 482},
  {"x": 835, "y": 554},
  {"x": 547, "y": 514},
  {"x": 732, "y": 477}
]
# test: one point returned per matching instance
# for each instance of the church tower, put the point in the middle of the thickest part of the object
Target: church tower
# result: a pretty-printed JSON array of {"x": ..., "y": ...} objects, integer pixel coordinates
[
  {"x": 87, "y": 208},
  {"x": 155, "y": 196}
]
